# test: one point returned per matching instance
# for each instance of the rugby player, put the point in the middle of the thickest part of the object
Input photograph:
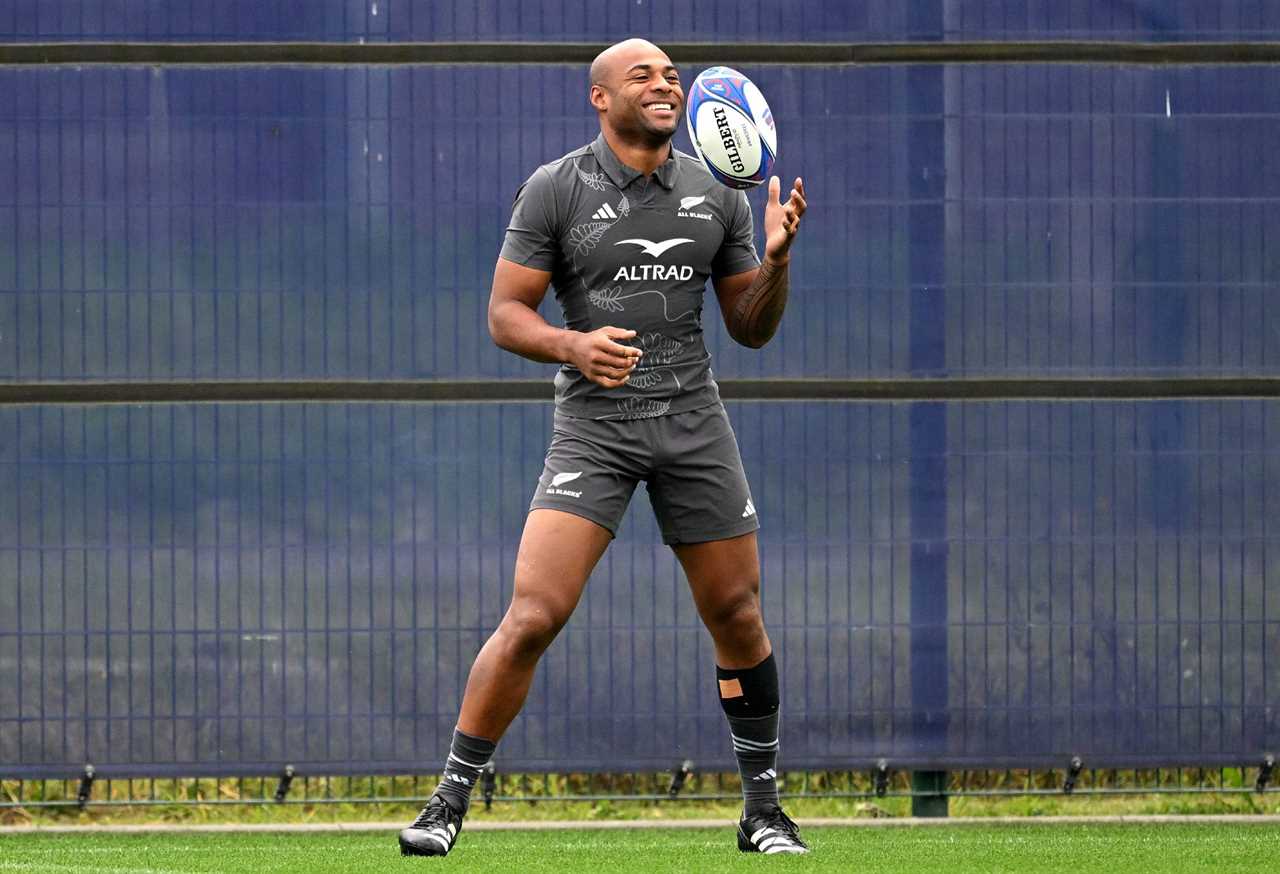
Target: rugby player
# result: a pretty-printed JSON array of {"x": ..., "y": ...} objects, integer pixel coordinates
[{"x": 628, "y": 230}]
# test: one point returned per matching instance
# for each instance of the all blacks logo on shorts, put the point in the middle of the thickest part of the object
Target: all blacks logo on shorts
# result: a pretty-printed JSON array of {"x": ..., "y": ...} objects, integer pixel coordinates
[{"x": 559, "y": 480}]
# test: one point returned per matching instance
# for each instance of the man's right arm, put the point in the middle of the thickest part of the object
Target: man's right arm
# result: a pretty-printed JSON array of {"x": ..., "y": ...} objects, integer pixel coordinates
[{"x": 516, "y": 325}]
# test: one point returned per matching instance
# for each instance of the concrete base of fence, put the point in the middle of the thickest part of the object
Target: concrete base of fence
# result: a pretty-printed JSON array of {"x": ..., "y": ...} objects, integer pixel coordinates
[{"x": 816, "y": 822}]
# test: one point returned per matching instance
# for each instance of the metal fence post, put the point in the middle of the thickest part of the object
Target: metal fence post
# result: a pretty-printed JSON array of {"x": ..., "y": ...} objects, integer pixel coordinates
[{"x": 929, "y": 793}]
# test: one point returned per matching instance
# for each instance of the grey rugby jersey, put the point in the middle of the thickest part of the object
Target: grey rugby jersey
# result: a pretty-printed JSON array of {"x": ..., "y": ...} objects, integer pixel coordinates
[{"x": 634, "y": 252}]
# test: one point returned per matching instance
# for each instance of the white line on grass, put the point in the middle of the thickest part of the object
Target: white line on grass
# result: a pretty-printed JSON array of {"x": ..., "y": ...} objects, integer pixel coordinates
[{"x": 592, "y": 825}]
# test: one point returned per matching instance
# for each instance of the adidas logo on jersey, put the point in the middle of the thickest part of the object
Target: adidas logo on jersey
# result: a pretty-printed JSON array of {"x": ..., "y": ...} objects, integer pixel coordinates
[
  {"x": 749, "y": 510},
  {"x": 605, "y": 213}
]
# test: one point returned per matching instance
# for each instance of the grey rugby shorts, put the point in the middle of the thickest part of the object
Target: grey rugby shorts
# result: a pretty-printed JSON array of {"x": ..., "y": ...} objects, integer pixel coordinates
[{"x": 689, "y": 463}]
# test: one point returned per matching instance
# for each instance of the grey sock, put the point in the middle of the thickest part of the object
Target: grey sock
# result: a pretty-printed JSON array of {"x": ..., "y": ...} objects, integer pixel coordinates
[
  {"x": 468, "y": 757},
  {"x": 750, "y": 699},
  {"x": 755, "y": 743}
]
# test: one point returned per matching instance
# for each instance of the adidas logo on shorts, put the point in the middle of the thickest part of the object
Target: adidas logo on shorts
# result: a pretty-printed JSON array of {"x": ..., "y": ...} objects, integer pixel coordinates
[{"x": 750, "y": 509}]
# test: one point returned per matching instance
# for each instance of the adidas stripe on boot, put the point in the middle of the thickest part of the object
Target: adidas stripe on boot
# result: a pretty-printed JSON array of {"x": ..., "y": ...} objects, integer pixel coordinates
[{"x": 770, "y": 832}]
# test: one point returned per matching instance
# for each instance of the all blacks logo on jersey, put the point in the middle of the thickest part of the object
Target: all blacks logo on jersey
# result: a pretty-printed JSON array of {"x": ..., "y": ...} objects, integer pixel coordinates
[{"x": 688, "y": 205}]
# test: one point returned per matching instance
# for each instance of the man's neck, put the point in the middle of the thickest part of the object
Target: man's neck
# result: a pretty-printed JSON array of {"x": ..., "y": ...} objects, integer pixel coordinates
[{"x": 646, "y": 159}]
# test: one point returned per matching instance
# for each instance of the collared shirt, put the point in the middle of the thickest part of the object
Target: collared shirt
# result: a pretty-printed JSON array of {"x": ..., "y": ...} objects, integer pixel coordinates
[{"x": 633, "y": 251}]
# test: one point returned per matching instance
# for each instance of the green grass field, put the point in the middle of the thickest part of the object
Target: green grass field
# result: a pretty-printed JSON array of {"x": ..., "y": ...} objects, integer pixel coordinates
[{"x": 1024, "y": 849}]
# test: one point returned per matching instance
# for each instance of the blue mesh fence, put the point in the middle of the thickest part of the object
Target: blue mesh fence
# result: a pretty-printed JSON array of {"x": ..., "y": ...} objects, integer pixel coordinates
[
  {"x": 343, "y": 223},
  {"x": 221, "y": 588}
]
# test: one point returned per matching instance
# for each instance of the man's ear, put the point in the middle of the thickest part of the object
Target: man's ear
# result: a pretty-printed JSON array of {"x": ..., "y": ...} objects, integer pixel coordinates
[{"x": 599, "y": 98}]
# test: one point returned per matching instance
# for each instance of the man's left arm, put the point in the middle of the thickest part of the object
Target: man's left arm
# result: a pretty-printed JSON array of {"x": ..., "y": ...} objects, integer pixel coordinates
[{"x": 752, "y": 302}]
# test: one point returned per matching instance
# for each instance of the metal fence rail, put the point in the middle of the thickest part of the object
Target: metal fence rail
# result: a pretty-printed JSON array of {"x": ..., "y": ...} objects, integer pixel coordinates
[{"x": 669, "y": 787}]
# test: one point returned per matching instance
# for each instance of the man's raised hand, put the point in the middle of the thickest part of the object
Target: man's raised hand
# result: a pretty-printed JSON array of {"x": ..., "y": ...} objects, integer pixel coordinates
[{"x": 782, "y": 220}]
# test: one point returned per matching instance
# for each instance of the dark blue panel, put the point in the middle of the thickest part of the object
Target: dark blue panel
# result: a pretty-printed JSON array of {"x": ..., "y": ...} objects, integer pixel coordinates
[
  {"x": 1106, "y": 221},
  {"x": 429, "y": 20},
  {"x": 805, "y": 20},
  {"x": 1148, "y": 20},
  {"x": 928, "y": 422},
  {"x": 196, "y": 588},
  {"x": 252, "y": 223},
  {"x": 1111, "y": 539}
]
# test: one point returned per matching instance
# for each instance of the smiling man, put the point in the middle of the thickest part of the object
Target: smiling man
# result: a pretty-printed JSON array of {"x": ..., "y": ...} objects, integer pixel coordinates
[{"x": 629, "y": 231}]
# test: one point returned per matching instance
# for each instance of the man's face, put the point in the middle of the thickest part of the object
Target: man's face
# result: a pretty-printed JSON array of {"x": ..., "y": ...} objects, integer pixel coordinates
[{"x": 644, "y": 98}]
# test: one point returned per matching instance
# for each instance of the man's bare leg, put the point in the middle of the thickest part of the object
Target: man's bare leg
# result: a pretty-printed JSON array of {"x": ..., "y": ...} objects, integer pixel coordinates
[
  {"x": 557, "y": 553},
  {"x": 724, "y": 576}
]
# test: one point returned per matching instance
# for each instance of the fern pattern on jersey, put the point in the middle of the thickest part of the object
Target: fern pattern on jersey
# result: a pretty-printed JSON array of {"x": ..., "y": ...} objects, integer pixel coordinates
[
  {"x": 607, "y": 299},
  {"x": 586, "y": 236},
  {"x": 642, "y": 408},
  {"x": 594, "y": 181},
  {"x": 611, "y": 300},
  {"x": 650, "y": 379},
  {"x": 659, "y": 348}
]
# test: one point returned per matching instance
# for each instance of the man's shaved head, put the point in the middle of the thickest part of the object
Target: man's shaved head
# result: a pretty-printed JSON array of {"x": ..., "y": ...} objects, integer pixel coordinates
[
  {"x": 636, "y": 91},
  {"x": 607, "y": 65}
]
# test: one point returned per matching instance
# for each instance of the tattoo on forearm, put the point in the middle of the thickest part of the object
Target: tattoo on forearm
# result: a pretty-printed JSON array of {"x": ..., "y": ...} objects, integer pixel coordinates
[{"x": 759, "y": 309}]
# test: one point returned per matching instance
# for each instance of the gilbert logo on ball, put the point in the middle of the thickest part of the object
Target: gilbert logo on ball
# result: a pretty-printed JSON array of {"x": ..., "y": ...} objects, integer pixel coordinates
[{"x": 731, "y": 127}]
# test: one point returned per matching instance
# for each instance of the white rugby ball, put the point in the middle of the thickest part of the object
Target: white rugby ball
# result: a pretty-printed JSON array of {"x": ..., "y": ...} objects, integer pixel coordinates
[{"x": 731, "y": 127}]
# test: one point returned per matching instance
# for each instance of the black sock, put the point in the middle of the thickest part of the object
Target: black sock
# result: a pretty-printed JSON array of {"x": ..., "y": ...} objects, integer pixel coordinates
[
  {"x": 467, "y": 758},
  {"x": 750, "y": 701}
]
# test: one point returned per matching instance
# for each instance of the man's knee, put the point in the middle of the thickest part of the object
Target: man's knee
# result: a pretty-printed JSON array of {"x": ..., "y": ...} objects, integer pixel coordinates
[
  {"x": 529, "y": 628},
  {"x": 736, "y": 619}
]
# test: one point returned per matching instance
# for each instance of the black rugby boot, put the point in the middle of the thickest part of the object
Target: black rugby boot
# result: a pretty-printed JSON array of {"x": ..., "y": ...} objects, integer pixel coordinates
[
  {"x": 434, "y": 832},
  {"x": 770, "y": 831}
]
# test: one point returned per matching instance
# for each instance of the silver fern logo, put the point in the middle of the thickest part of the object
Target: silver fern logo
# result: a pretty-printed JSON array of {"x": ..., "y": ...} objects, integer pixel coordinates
[
  {"x": 560, "y": 479},
  {"x": 687, "y": 205}
]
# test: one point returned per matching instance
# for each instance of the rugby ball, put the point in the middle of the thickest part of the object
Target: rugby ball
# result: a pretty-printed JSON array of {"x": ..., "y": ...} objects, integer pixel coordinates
[{"x": 731, "y": 127}]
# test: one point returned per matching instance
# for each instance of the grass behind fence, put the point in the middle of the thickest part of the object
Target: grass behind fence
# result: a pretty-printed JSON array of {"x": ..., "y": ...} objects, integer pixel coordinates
[{"x": 622, "y": 796}]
